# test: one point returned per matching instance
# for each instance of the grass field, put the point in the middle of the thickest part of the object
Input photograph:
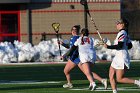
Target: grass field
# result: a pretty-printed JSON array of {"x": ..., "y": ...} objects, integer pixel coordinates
[{"x": 49, "y": 78}]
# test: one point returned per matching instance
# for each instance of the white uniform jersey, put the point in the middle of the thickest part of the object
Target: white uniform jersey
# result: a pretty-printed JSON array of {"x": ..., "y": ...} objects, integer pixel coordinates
[
  {"x": 121, "y": 58},
  {"x": 86, "y": 49}
]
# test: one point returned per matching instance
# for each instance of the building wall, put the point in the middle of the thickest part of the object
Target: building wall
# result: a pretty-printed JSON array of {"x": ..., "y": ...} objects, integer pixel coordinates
[
  {"x": 23, "y": 25},
  {"x": 130, "y": 9},
  {"x": 68, "y": 13}
]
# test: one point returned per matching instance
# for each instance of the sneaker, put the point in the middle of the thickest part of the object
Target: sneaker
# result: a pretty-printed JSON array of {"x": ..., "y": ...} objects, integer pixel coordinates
[
  {"x": 104, "y": 81},
  {"x": 115, "y": 91},
  {"x": 93, "y": 87},
  {"x": 90, "y": 86},
  {"x": 139, "y": 83},
  {"x": 68, "y": 85}
]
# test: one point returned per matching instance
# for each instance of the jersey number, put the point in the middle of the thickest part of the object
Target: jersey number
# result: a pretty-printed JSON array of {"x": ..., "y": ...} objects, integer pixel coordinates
[{"x": 86, "y": 40}]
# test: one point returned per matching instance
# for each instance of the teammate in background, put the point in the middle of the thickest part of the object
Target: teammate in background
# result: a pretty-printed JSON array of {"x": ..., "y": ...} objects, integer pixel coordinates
[
  {"x": 85, "y": 65},
  {"x": 121, "y": 61}
]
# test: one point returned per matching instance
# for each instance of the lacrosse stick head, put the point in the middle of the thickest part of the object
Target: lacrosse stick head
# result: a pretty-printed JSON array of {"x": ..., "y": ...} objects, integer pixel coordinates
[
  {"x": 83, "y": 2},
  {"x": 56, "y": 27}
]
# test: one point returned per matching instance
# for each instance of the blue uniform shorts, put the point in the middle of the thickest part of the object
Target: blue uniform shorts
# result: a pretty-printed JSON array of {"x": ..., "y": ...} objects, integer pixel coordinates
[
  {"x": 75, "y": 58},
  {"x": 76, "y": 61}
]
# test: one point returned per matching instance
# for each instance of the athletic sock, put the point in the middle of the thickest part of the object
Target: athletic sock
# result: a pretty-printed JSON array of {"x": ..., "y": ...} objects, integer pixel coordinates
[
  {"x": 102, "y": 81},
  {"x": 93, "y": 83}
]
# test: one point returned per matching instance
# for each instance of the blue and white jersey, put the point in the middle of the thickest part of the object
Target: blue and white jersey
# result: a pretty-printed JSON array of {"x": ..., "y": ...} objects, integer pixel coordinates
[
  {"x": 75, "y": 56},
  {"x": 73, "y": 39}
]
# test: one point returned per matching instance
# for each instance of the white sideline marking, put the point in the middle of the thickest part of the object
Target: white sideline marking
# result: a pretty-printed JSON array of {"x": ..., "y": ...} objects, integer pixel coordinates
[
  {"x": 33, "y": 63},
  {"x": 53, "y": 82},
  {"x": 109, "y": 89},
  {"x": 27, "y": 82},
  {"x": 46, "y": 62}
]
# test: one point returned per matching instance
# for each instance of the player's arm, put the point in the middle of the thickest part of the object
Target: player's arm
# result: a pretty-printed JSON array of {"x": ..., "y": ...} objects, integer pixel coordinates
[
  {"x": 70, "y": 51},
  {"x": 118, "y": 46},
  {"x": 130, "y": 45},
  {"x": 65, "y": 45}
]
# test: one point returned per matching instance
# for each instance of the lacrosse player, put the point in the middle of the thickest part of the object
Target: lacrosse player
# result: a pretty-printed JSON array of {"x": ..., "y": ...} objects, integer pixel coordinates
[
  {"x": 121, "y": 61},
  {"x": 87, "y": 55},
  {"x": 74, "y": 60}
]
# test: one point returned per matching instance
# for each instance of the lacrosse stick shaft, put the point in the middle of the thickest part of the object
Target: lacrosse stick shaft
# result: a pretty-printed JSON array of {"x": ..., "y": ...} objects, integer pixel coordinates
[
  {"x": 92, "y": 20},
  {"x": 58, "y": 44},
  {"x": 96, "y": 28}
]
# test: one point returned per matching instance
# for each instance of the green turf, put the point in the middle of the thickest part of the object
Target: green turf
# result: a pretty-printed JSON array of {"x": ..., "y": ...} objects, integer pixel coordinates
[{"x": 44, "y": 74}]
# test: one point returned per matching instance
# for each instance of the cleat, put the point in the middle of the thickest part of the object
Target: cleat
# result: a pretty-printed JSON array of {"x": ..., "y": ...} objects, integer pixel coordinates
[
  {"x": 139, "y": 83},
  {"x": 90, "y": 87},
  {"x": 104, "y": 82},
  {"x": 93, "y": 87},
  {"x": 115, "y": 91},
  {"x": 68, "y": 85}
]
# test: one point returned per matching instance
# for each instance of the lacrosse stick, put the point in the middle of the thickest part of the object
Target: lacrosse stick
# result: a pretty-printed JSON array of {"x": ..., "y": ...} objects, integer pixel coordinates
[
  {"x": 56, "y": 29},
  {"x": 84, "y": 3}
]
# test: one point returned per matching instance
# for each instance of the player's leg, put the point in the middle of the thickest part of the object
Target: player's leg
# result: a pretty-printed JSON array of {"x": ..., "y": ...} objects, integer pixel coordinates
[
  {"x": 122, "y": 79},
  {"x": 112, "y": 80},
  {"x": 96, "y": 76},
  {"x": 81, "y": 68},
  {"x": 69, "y": 66},
  {"x": 88, "y": 73},
  {"x": 102, "y": 80}
]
